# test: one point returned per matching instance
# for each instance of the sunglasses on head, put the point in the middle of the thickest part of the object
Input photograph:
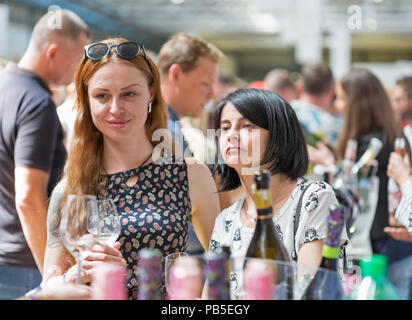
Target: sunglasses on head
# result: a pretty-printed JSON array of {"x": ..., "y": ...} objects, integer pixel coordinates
[{"x": 126, "y": 50}]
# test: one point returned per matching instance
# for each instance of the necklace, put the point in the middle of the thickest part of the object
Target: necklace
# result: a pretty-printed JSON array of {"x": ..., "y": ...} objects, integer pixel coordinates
[{"x": 144, "y": 161}]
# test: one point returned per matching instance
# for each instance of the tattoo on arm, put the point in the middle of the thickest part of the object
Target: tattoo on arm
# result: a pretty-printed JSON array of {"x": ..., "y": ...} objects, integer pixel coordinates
[{"x": 53, "y": 220}]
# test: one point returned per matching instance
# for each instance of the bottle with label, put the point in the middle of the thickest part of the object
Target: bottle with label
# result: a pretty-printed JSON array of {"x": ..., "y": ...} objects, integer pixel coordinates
[
  {"x": 374, "y": 284},
  {"x": 217, "y": 273},
  {"x": 150, "y": 274},
  {"x": 346, "y": 177},
  {"x": 363, "y": 169},
  {"x": 326, "y": 285},
  {"x": 265, "y": 242},
  {"x": 374, "y": 147},
  {"x": 345, "y": 187},
  {"x": 312, "y": 138},
  {"x": 394, "y": 192}
]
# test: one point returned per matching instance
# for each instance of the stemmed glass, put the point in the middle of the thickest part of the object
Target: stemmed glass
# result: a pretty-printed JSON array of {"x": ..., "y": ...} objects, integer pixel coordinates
[
  {"x": 78, "y": 214},
  {"x": 170, "y": 261},
  {"x": 108, "y": 222}
]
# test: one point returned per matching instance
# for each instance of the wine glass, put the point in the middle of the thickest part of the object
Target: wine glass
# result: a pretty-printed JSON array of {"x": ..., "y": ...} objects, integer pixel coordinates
[
  {"x": 170, "y": 261},
  {"x": 79, "y": 212},
  {"x": 108, "y": 225}
]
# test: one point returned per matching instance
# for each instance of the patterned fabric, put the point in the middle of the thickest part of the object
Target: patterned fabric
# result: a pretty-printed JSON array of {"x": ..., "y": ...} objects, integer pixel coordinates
[
  {"x": 319, "y": 196},
  {"x": 317, "y": 120},
  {"x": 403, "y": 213},
  {"x": 155, "y": 213}
]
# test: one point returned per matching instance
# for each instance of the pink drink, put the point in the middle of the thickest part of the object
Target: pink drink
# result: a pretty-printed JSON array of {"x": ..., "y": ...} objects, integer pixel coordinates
[
  {"x": 109, "y": 283},
  {"x": 185, "y": 280},
  {"x": 258, "y": 280}
]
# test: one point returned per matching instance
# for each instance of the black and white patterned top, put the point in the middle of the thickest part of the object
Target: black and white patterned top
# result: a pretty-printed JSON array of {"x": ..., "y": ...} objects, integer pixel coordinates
[{"x": 319, "y": 196}]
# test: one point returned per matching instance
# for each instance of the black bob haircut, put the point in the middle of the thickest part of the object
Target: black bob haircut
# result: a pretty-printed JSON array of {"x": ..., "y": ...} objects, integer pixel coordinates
[{"x": 286, "y": 151}]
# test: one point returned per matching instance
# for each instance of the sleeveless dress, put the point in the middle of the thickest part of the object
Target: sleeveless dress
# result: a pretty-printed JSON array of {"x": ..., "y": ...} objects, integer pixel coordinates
[{"x": 155, "y": 213}]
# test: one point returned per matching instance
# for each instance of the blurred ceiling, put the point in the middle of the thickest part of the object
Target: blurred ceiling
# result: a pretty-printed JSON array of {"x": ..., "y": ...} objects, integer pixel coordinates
[
  {"x": 242, "y": 28},
  {"x": 231, "y": 21}
]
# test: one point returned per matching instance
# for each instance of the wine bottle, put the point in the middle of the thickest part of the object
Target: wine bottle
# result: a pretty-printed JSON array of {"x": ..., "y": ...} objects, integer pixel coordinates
[
  {"x": 265, "y": 242},
  {"x": 326, "y": 285},
  {"x": 312, "y": 138},
  {"x": 346, "y": 190},
  {"x": 374, "y": 284},
  {"x": 374, "y": 147},
  {"x": 217, "y": 272},
  {"x": 150, "y": 274},
  {"x": 349, "y": 160}
]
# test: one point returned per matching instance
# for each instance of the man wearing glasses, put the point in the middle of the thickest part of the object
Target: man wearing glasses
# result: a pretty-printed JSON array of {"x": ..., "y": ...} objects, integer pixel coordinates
[{"x": 32, "y": 154}]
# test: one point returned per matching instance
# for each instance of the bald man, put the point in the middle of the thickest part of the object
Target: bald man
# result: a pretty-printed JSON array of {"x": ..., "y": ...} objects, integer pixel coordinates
[{"x": 32, "y": 154}]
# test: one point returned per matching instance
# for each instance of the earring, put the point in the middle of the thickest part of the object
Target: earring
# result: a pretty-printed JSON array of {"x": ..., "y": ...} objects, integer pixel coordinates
[{"x": 150, "y": 107}]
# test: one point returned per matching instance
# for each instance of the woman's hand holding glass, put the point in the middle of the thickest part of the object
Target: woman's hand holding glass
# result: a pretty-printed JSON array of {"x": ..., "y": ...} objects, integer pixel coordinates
[
  {"x": 81, "y": 227},
  {"x": 107, "y": 229},
  {"x": 108, "y": 222},
  {"x": 78, "y": 213}
]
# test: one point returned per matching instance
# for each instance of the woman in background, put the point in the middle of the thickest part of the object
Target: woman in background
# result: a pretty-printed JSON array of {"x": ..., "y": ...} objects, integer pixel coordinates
[{"x": 367, "y": 113}]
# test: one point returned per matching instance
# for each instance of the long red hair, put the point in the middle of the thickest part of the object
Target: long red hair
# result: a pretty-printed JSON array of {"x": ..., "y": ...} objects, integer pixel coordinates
[{"x": 85, "y": 160}]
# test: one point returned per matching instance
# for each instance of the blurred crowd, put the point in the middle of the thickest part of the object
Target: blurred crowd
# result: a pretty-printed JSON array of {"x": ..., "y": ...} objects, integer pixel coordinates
[{"x": 55, "y": 132}]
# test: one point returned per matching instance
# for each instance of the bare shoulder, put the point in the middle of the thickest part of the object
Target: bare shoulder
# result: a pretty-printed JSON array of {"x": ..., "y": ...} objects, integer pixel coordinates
[{"x": 198, "y": 172}]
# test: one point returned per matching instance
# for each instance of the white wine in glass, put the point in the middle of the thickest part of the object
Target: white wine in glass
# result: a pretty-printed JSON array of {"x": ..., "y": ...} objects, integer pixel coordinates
[
  {"x": 79, "y": 212},
  {"x": 108, "y": 222}
]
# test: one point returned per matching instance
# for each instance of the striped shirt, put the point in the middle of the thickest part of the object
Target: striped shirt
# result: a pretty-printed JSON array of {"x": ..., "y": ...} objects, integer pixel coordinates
[{"x": 403, "y": 213}]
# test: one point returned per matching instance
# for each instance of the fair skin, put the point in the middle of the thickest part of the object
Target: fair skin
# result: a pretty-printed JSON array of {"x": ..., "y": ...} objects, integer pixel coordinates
[
  {"x": 400, "y": 102},
  {"x": 288, "y": 93},
  {"x": 399, "y": 170},
  {"x": 188, "y": 92},
  {"x": 321, "y": 154},
  {"x": 53, "y": 66},
  {"x": 119, "y": 95},
  {"x": 236, "y": 142},
  {"x": 323, "y": 101},
  {"x": 341, "y": 99}
]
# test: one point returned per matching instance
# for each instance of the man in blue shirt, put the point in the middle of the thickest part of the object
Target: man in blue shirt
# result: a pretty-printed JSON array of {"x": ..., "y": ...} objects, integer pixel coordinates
[{"x": 189, "y": 68}]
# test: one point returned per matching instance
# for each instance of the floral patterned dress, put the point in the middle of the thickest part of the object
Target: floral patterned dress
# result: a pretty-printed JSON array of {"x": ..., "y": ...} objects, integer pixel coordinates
[{"x": 155, "y": 213}]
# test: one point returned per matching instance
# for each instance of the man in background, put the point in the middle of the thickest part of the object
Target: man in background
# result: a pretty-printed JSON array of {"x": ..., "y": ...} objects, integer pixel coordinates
[
  {"x": 32, "y": 154},
  {"x": 314, "y": 107},
  {"x": 189, "y": 69},
  {"x": 279, "y": 82}
]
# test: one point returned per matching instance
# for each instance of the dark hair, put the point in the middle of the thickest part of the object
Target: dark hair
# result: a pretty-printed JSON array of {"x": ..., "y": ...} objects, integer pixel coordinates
[
  {"x": 317, "y": 79},
  {"x": 286, "y": 150},
  {"x": 368, "y": 109}
]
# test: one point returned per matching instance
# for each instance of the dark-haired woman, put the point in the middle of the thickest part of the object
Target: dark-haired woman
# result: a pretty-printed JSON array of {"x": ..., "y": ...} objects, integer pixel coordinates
[
  {"x": 260, "y": 130},
  {"x": 367, "y": 113}
]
